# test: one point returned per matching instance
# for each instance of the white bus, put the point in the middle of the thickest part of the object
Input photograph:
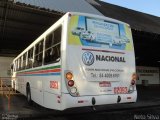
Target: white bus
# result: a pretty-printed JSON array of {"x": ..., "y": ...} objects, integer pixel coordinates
[{"x": 61, "y": 70}]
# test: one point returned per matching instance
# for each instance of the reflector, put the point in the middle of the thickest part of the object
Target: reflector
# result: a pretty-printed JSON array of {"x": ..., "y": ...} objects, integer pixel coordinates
[{"x": 73, "y": 90}]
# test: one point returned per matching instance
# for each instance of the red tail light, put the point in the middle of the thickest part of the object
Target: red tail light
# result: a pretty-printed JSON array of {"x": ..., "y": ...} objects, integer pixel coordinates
[
  {"x": 70, "y": 83},
  {"x": 133, "y": 82},
  {"x": 134, "y": 78}
]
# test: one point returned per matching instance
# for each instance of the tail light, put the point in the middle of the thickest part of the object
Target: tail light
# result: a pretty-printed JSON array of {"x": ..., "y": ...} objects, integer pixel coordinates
[
  {"x": 71, "y": 86},
  {"x": 73, "y": 90},
  {"x": 69, "y": 76},
  {"x": 133, "y": 82},
  {"x": 131, "y": 89},
  {"x": 70, "y": 83},
  {"x": 134, "y": 78}
]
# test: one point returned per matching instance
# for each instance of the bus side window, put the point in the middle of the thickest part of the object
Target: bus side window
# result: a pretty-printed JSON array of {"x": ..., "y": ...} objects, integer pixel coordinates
[
  {"x": 57, "y": 35},
  {"x": 12, "y": 68},
  {"x": 30, "y": 58},
  {"x": 52, "y": 47},
  {"x": 20, "y": 63},
  {"x": 58, "y": 52},
  {"x": 24, "y": 61},
  {"x": 17, "y": 65},
  {"x": 38, "y": 54},
  {"x": 57, "y": 42},
  {"x": 48, "y": 43}
]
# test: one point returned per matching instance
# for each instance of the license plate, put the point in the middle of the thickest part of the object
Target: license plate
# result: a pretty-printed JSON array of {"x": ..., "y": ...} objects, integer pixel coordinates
[
  {"x": 105, "y": 84},
  {"x": 120, "y": 90}
]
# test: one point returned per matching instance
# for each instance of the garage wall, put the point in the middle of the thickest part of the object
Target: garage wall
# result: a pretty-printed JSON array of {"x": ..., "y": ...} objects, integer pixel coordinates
[
  {"x": 5, "y": 66},
  {"x": 149, "y": 74}
]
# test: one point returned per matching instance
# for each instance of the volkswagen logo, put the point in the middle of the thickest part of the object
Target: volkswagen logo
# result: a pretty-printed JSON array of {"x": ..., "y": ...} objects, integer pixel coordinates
[{"x": 88, "y": 58}]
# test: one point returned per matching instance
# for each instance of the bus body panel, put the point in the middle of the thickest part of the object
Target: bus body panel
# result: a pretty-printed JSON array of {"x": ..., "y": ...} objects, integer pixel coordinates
[
  {"x": 99, "y": 100},
  {"x": 41, "y": 84},
  {"x": 97, "y": 67},
  {"x": 52, "y": 90}
]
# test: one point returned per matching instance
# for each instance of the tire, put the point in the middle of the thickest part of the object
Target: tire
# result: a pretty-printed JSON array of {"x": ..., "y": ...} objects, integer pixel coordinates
[{"x": 29, "y": 100}]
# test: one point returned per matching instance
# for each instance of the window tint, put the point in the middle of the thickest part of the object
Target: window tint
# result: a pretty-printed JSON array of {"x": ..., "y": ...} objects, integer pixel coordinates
[
  {"x": 38, "y": 54},
  {"x": 52, "y": 47}
]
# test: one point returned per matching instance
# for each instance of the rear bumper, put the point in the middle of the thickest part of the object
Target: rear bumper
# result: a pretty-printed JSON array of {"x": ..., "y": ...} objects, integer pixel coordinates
[{"x": 70, "y": 102}]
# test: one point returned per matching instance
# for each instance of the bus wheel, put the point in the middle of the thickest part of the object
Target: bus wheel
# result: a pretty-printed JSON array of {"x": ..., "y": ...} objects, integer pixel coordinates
[{"x": 29, "y": 100}]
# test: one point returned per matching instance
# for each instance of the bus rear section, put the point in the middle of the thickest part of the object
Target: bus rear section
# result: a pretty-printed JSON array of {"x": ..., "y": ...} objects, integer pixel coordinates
[{"x": 100, "y": 62}]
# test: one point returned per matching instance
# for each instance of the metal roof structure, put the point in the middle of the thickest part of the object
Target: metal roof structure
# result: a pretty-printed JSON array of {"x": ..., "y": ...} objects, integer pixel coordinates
[
  {"x": 62, "y": 5},
  {"x": 21, "y": 24},
  {"x": 137, "y": 20}
]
